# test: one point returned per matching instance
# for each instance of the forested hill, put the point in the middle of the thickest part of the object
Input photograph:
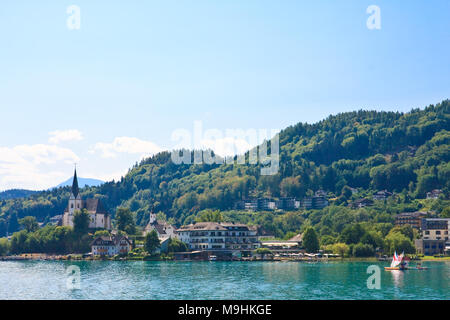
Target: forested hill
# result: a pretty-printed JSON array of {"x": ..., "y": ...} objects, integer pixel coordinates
[{"x": 369, "y": 150}]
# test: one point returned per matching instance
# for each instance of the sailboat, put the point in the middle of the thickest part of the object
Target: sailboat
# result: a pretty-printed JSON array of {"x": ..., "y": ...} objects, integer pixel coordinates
[{"x": 399, "y": 262}]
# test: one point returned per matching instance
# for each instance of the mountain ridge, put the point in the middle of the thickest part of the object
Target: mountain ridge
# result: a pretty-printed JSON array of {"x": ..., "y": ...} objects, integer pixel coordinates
[{"x": 407, "y": 153}]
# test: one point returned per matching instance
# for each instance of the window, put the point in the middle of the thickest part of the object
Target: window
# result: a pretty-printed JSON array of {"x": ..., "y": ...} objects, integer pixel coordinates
[{"x": 71, "y": 206}]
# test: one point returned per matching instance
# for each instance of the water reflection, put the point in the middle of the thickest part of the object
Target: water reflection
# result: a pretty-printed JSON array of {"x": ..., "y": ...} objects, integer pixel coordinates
[{"x": 397, "y": 276}]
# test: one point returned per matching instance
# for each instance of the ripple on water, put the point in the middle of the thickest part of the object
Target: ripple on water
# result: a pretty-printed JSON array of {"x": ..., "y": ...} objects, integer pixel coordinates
[{"x": 218, "y": 280}]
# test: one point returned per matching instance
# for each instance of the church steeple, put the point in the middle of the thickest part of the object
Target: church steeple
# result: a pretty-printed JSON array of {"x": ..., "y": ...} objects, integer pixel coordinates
[{"x": 75, "y": 189}]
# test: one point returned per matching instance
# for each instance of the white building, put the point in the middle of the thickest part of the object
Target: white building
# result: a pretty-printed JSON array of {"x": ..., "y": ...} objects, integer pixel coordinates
[
  {"x": 111, "y": 245},
  {"x": 213, "y": 236},
  {"x": 162, "y": 228},
  {"x": 99, "y": 217}
]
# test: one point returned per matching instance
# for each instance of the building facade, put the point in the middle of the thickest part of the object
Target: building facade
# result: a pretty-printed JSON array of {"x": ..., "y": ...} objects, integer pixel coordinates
[
  {"x": 435, "y": 229},
  {"x": 414, "y": 219},
  {"x": 212, "y": 236},
  {"x": 162, "y": 228},
  {"x": 430, "y": 247},
  {"x": 111, "y": 245},
  {"x": 382, "y": 195}
]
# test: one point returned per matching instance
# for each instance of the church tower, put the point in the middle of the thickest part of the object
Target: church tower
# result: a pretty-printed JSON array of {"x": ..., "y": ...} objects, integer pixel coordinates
[{"x": 75, "y": 202}]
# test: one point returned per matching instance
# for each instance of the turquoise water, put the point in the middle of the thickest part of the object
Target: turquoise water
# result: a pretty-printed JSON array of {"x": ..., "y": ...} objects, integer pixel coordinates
[{"x": 219, "y": 280}]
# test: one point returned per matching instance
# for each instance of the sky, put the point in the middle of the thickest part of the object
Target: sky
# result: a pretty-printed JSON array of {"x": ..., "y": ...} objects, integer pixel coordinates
[{"x": 134, "y": 73}]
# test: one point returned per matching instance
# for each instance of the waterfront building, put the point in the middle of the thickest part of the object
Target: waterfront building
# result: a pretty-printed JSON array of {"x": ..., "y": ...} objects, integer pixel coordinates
[
  {"x": 111, "y": 245},
  {"x": 220, "y": 237},
  {"x": 99, "y": 217},
  {"x": 282, "y": 247},
  {"x": 430, "y": 247},
  {"x": 414, "y": 219},
  {"x": 435, "y": 228},
  {"x": 162, "y": 228}
]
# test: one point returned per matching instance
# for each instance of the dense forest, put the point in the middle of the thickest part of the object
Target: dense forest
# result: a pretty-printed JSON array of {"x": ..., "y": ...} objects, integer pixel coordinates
[{"x": 405, "y": 153}]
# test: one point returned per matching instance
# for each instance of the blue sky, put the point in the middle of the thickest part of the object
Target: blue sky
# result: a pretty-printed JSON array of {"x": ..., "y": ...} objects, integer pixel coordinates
[{"x": 115, "y": 90}]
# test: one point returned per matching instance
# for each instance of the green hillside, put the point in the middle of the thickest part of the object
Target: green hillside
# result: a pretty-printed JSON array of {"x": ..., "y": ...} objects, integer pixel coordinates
[{"x": 407, "y": 153}]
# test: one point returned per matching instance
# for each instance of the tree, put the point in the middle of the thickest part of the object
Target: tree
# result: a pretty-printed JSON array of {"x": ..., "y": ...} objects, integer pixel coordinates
[
  {"x": 81, "y": 222},
  {"x": 3, "y": 227},
  {"x": 151, "y": 242},
  {"x": 4, "y": 247},
  {"x": 396, "y": 241},
  {"x": 101, "y": 233},
  {"x": 176, "y": 245},
  {"x": 29, "y": 223},
  {"x": 13, "y": 223},
  {"x": 346, "y": 192},
  {"x": 310, "y": 240},
  {"x": 125, "y": 221},
  {"x": 209, "y": 216},
  {"x": 352, "y": 234},
  {"x": 363, "y": 250},
  {"x": 373, "y": 239},
  {"x": 446, "y": 212},
  {"x": 341, "y": 249}
]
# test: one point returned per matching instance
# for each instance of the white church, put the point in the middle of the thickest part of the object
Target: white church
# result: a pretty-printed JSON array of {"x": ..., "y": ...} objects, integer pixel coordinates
[{"x": 99, "y": 217}]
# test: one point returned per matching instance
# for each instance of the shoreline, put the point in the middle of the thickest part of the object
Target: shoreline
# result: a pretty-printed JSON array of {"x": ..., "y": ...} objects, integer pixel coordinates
[{"x": 78, "y": 257}]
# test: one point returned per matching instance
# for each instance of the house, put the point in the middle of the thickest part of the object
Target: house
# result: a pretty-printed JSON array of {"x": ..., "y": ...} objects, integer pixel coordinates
[
  {"x": 56, "y": 220},
  {"x": 162, "y": 228},
  {"x": 361, "y": 203},
  {"x": 219, "y": 237},
  {"x": 382, "y": 195},
  {"x": 434, "y": 194},
  {"x": 414, "y": 219},
  {"x": 111, "y": 245},
  {"x": 99, "y": 217}
]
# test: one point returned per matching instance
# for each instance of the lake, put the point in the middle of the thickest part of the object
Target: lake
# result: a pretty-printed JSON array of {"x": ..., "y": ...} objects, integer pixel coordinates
[{"x": 219, "y": 280}]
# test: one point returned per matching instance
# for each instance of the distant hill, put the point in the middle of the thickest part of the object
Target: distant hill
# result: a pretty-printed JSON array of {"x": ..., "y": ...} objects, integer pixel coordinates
[
  {"x": 82, "y": 182},
  {"x": 406, "y": 153},
  {"x": 15, "y": 194}
]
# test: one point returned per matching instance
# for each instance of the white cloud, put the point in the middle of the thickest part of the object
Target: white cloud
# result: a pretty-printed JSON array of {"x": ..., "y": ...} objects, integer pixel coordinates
[
  {"x": 129, "y": 145},
  {"x": 64, "y": 135},
  {"x": 22, "y": 166}
]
